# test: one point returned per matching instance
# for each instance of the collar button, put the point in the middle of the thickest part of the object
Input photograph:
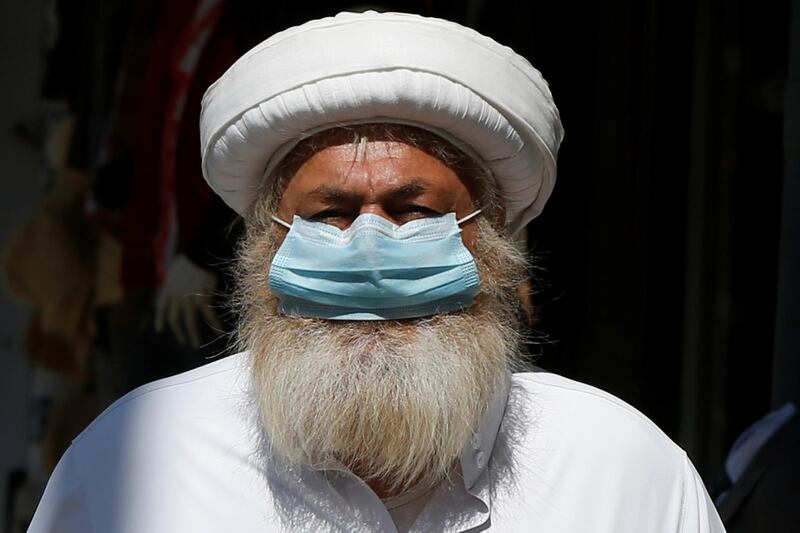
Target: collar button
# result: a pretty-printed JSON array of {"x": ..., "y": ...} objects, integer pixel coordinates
[
  {"x": 475, "y": 441},
  {"x": 480, "y": 459}
]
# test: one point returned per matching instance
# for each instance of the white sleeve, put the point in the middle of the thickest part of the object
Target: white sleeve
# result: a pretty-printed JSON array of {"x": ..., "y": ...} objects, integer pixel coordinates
[
  {"x": 62, "y": 508},
  {"x": 699, "y": 514}
]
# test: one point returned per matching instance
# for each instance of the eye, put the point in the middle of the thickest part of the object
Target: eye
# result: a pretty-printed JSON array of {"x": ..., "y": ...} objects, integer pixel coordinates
[
  {"x": 416, "y": 211},
  {"x": 330, "y": 214}
]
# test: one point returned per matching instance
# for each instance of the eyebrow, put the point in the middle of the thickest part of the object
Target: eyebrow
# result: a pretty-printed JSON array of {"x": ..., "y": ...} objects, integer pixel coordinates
[
  {"x": 334, "y": 195},
  {"x": 411, "y": 189},
  {"x": 337, "y": 195}
]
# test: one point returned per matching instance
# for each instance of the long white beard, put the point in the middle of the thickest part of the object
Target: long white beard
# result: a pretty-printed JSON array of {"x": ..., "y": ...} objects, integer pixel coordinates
[{"x": 393, "y": 401}]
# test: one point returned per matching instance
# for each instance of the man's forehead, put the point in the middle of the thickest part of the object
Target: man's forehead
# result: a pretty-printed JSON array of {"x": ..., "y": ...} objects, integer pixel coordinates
[
  {"x": 368, "y": 165},
  {"x": 377, "y": 151}
]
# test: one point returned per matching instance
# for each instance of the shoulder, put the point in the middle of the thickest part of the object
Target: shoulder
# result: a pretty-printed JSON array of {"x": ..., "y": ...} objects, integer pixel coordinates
[
  {"x": 580, "y": 398},
  {"x": 147, "y": 459},
  {"x": 583, "y": 425},
  {"x": 201, "y": 409},
  {"x": 571, "y": 446},
  {"x": 201, "y": 392},
  {"x": 583, "y": 408}
]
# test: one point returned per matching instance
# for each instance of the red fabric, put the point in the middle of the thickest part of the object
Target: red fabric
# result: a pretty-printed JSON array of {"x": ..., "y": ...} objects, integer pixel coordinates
[
  {"x": 168, "y": 190},
  {"x": 185, "y": 62},
  {"x": 201, "y": 214},
  {"x": 141, "y": 213}
]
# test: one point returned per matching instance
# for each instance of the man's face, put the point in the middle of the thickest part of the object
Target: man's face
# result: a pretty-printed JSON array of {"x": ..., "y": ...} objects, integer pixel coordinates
[
  {"x": 395, "y": 401},
  {"x": 392, "y": 179}
]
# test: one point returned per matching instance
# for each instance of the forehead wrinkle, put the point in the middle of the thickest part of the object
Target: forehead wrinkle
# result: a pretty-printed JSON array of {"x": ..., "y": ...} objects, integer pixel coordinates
[
  {"x": 338, "y": 195},
  {"x": 385, "y": 170}
]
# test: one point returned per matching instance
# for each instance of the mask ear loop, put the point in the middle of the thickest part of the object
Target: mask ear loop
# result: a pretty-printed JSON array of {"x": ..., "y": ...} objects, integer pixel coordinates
[
  {"x": 469, "y": 217},
  {"x": 284, "y": 224}
]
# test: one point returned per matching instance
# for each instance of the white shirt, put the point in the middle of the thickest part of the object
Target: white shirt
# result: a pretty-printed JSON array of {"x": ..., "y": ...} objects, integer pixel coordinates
[{"x": 183, "y": 454}]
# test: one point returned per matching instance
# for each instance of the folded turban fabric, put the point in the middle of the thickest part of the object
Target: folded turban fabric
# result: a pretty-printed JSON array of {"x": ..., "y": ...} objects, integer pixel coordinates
[{"x": 383, "y": 67}]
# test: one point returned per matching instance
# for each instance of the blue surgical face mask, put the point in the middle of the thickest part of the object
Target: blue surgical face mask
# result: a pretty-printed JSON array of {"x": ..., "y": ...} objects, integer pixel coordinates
[{"x": 374, "y": 270}]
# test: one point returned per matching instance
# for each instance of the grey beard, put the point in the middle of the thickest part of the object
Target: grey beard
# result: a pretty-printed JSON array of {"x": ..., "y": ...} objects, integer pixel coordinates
[{"x": 392, "y": 401}]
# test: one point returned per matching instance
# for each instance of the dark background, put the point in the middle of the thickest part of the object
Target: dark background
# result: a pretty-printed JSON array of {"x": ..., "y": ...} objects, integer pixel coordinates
[{"x": 657, "y": 259}]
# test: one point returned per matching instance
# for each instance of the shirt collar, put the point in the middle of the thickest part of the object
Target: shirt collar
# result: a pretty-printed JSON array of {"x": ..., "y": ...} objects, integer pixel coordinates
[{"x": 476, "y": 453}]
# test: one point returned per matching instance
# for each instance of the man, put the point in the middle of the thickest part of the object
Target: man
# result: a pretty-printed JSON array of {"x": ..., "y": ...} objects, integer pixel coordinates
[{"x": 381, "y": 162}]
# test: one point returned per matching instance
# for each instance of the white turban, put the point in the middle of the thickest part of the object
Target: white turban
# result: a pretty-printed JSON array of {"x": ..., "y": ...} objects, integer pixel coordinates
[{"x": 383, "y": 67}]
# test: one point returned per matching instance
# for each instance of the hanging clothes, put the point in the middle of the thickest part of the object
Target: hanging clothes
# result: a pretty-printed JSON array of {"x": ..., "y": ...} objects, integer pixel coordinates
[{"x": 170, "y": 210}]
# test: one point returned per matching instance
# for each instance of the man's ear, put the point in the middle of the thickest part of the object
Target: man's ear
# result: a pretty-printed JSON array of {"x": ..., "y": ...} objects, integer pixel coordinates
[
  {"x": 499, "y": 221},
  {"x": 525, "y": 292}
]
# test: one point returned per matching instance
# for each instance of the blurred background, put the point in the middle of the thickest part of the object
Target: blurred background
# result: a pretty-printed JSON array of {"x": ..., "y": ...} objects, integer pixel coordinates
[{"x": 666, "y": 265}]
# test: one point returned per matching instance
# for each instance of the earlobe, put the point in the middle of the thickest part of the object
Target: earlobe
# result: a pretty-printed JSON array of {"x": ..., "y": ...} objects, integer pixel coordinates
[
  {"x": 526, "y": 301},
  {"x": 499, "y": 221}
]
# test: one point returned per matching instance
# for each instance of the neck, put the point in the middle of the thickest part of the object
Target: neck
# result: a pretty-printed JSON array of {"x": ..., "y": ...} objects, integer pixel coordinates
[{"x": 381, "y": 489}]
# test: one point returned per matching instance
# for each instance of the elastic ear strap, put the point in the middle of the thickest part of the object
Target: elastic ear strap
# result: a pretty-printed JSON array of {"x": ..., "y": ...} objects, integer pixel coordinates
[
  {"x": 469, "y": 217},
  {"x": 281, "y": 222}
]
